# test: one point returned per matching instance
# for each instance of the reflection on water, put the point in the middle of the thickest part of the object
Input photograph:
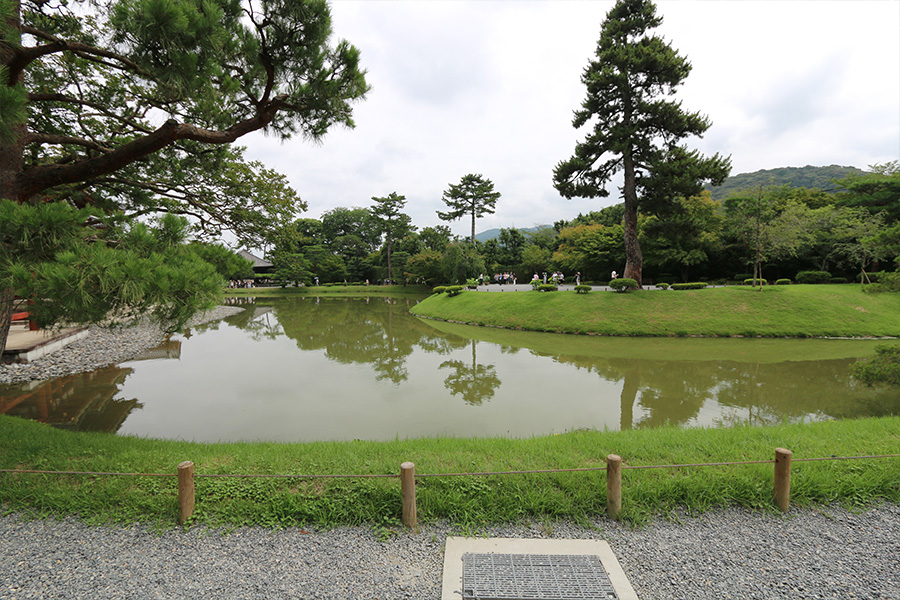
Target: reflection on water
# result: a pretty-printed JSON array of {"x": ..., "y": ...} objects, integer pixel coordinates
[{"x": 310, "y": 368}]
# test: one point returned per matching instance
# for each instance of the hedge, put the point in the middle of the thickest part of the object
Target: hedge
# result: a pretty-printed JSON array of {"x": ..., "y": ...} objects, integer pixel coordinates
[
  {"x": 698, "y": 285},
  {"x": 813, "y": 277}
]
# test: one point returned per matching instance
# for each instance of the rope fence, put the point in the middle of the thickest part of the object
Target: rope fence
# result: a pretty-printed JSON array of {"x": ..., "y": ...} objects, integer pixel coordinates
[{"x": 614, "y": 467}]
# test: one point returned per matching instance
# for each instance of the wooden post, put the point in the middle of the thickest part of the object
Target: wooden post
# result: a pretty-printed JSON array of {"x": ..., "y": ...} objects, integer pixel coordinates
[
  {"x": 408, "y": 493},
  {"x": 783, "y": 478},
  {"x": 185, "y": 491},
  {"x": 614, "y": 486}
]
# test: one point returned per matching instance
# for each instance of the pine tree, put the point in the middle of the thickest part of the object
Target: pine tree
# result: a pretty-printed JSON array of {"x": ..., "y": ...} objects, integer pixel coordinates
[
  {"x": 474, "y": 195},
  {"x": 635, "y": 128}
]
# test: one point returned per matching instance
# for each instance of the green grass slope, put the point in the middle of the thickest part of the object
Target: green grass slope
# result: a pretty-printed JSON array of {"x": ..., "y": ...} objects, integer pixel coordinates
[{"x": 783, "y": 311}]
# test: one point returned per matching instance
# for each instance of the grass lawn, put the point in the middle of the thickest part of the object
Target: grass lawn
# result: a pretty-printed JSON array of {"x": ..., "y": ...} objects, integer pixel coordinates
[
  {"x": 778, "y": 311},
  {"x": 469, "y": 501}
]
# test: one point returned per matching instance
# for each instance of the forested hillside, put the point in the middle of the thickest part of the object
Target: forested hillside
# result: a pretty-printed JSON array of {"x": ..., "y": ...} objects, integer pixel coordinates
[{"x": 807, "y": 177}]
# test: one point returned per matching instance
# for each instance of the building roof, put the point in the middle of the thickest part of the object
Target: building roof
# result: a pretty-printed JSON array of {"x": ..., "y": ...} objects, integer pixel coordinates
[{"x": 258, "y": 263}]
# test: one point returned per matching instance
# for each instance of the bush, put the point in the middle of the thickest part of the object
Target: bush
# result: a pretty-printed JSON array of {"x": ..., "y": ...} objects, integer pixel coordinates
[
  {"x": 582, "y": 289},
  {"x": 544, "y": 287},
  {"x": 743, "y": 276},
  {"x": 813, "y": 277},
  {"x": 888, "y": 282},
  {"x": 838, "y": 280},
  {"x": 751, "y": 281},
  {"x": 454, "y": 290},
  {"x": 783, "y": 282},
  {"x": 623, "y": 284},
  {"x": 699, "y": 285},
  {"x": 439, "y": 289},
  {"x": 662, "y": 286}
]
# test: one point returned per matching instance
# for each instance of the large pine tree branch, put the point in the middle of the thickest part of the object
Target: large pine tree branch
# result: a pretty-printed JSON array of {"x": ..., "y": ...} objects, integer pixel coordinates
[{"x": 37, "y": 179}]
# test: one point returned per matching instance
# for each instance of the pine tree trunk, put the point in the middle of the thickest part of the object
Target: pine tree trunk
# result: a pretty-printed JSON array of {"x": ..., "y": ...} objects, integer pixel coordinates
[
  {"x": 7, "y": 298},
  {"x": 634, "y": 260},
  {"x": 12, "y": 150}
]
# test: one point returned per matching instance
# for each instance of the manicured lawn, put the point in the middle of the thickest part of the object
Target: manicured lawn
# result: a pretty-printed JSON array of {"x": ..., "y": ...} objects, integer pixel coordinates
[{"x": 782, "y": 311}]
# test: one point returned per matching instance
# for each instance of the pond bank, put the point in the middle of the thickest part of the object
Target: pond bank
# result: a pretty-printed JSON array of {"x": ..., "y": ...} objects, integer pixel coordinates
[{"x": 103, "y": 346}]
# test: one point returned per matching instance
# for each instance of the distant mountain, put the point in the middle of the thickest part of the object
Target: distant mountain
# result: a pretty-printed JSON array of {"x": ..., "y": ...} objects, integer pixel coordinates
[
  {"x": 493, "y": 234},
  {"x": 808, "y": 177}
]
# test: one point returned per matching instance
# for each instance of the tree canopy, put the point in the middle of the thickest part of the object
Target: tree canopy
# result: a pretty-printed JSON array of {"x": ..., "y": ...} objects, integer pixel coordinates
[{"x": 107, "y": 89}]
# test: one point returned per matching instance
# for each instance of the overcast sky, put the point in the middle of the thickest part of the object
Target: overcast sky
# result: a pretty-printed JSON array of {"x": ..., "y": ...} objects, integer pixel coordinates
[{"x": 490, "y": 86}]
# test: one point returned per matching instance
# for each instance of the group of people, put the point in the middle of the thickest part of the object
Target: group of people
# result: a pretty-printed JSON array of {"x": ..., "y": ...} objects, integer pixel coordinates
[
  {"x": 240, "y": 283},
  {"x": 556, "y": 278},
  {"x": 499, "y": 279}
]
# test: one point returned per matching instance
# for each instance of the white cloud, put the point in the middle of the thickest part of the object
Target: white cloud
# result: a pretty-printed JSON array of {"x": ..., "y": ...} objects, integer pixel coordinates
[{"x": 490, "y": 87}]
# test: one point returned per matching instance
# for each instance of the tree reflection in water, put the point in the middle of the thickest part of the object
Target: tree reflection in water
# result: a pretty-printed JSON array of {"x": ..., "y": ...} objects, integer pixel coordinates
[{"x": 475, "y": 383}]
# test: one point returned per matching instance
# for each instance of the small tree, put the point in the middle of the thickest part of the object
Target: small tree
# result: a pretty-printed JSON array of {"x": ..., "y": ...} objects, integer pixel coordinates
[{"x": 474, "y": 195}]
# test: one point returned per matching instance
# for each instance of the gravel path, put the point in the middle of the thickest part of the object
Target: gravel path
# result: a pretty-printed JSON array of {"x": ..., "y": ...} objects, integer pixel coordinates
[
  {"x": 820, "y": 553},
  {"x": 102, "y": 347}
]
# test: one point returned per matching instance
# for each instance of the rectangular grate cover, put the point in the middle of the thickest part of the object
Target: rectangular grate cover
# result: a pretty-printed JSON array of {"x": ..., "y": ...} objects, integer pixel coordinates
[{"x": 535, "y": 576}]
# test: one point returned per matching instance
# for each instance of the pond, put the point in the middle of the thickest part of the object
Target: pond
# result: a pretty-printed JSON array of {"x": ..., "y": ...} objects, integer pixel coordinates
[{"x": 322, "y": 368}]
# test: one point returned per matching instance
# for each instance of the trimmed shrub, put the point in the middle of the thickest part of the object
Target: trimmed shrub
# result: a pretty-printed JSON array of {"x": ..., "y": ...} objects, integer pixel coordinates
[
  {"x": 623, "y": 284},
  {"x": 752, "y": 281},
  {"x": 783, "y": 282},
  {"x": 743, "y": 276},
  {"x": 439, "y": 289},
  {"x": 582, "y": 289},
  {"x": 545, "y": 287},
  {"x": 813, "y": 277},
  {"x": 662, "y": 286},
  {"x": 838, "y": 280},
  {"x": 454, "y": 290},
  {"x": 699, "y": 285}
]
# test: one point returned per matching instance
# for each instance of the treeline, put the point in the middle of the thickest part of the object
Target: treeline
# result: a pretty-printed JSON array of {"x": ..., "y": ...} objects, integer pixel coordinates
[{"x": 771, "y": 229}]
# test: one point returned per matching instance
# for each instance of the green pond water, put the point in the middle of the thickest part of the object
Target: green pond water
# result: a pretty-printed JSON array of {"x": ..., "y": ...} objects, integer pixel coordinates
[{"x": 307, "y": 368}]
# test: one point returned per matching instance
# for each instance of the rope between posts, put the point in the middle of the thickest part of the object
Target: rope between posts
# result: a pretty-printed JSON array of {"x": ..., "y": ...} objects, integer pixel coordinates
[{"x": 473, "y": 474}]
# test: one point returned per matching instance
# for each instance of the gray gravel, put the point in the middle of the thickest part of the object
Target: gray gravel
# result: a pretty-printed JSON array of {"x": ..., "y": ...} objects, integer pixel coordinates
[
  {"x": 820, "y": 553},
  {"x": 103, "y": 346}
]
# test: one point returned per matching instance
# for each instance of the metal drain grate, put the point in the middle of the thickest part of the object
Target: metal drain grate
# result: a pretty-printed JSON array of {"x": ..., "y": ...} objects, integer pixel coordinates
[{"x": 535, "y": 576}]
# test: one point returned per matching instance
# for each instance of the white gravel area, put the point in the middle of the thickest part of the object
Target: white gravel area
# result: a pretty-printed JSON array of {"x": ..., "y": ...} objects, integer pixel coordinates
[{"x": 809, "y": 553}]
